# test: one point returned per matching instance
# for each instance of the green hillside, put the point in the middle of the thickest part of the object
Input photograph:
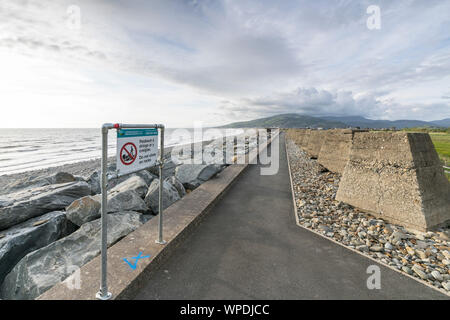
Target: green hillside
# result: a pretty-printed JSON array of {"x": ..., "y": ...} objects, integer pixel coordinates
[{"x": 290, "y": 120}]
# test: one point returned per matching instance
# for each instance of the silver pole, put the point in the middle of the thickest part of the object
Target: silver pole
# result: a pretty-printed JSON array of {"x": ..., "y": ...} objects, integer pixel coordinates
[
  {"x": 161, "y": 181},
  {"x": 103, "y": 294}
]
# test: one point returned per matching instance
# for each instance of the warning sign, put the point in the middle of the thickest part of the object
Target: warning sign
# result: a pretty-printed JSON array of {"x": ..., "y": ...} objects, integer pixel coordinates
[
  {"x": 137, "y": 149},
  {"x": 128, "y": 153}
]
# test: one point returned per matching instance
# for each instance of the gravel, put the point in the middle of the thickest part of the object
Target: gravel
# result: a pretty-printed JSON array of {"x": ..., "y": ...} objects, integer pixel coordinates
[{"x": 423, "y": 255}]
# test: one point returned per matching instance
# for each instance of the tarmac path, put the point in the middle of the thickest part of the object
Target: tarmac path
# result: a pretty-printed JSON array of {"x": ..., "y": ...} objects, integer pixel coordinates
[{"x": 249, "y": 247}]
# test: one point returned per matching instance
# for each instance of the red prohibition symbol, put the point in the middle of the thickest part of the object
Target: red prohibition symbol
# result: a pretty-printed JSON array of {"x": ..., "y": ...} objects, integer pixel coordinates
[{"x": 128, "y": 153}]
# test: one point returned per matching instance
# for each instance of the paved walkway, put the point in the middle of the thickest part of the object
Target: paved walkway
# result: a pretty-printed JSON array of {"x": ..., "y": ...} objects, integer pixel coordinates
[{"x": 249, "y": 247}]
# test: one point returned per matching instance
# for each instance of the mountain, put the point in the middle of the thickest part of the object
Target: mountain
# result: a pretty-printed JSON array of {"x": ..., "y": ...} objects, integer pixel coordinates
[
  {"x": 294, "y": 120},
  {"x": 442, "y": 123},
  {"x": 357, "y": 121},
  {"x": 290, "y": 120}
]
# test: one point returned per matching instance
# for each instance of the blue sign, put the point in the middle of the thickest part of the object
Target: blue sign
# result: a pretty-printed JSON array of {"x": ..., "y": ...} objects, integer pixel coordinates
[{"x": 126, "y": 133}]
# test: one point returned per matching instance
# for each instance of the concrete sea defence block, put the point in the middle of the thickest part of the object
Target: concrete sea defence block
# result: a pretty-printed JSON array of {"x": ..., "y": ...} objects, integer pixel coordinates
[
  {"x": 316, "y": 138},
  {"x": 305, "y": 139},
  {"x": 397, "y": 176},
  {"x": 335, "y": 150},
  {"x": 296, "y": 135}
]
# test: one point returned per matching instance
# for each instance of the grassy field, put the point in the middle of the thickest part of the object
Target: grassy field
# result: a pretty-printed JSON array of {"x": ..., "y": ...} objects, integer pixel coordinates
[{"x": 441, "y": 141}]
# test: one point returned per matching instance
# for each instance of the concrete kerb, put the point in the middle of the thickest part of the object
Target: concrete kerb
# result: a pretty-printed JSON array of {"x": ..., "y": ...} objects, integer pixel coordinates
[
  {"x": 181, "y": 218},
  {"x": 342, "y": 245}
]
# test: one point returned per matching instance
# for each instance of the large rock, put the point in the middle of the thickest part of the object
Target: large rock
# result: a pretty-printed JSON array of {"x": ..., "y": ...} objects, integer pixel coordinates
[
  {"x": 31, "y": 235},
  {"x": 397, "y": 176},
  {"x": 170, "y": 195},
  {"x": 133, "y": 183},
  {"x": 39, "y": 270},
  {"x": 146, "y": 176},
  {"x": 177, "y": 184},
  {"x": 94, "y": 179},
  {"x": 168, "y": 169},
  {"x": 26, "y": 204},
  {"x": 83, "y": 210},
  {"x": 32, "y": 182},
  {"x": 192, "y": 175},
  {"x": 126, "y": 201}
]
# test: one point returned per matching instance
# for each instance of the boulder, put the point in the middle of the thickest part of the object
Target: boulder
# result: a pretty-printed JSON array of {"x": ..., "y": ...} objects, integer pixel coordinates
[
  {"x": 134, "y": 183},
  {"x": 30, "y": 203},
  {"x": 126, "y": 201},
  {"x": 61, "y": 177},
  {"x": 31, "y": 235},
  {"x": 177, "y": 184},
  {"x": 39, "y": 270},
  {"x": 170, "y": 195},
  {"x": 168, "y": 169},
  {"x": 146, "y": 176},
  {"x": 94, "y": 183},
  {"x": 83, "y": 210},
  {"x": 192, "y": 175},
  {"x": 94, "y": 179},
  {"x": 31, "y": 182}
]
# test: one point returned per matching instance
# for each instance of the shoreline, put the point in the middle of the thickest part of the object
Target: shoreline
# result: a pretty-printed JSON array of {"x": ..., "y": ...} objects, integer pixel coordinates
[{"x": 78, "y": 169}]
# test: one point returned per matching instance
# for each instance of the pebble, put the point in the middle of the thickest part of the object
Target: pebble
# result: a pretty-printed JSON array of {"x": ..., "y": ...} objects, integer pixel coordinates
[
  {"x": 407, "y": 270},
  {"x": 376, "y": 248},
  {"x": 446, "y": 285},
  {"x": 437, "y": 275},
  {"x": 419, "y": 272}
]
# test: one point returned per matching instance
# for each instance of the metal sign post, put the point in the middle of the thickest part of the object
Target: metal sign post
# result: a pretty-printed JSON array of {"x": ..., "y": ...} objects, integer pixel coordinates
[
  {"x": 161, "y": 182},
  {"x": 130, "y": 159}
]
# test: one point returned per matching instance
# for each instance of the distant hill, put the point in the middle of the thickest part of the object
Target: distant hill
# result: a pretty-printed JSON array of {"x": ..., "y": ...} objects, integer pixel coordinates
[
  {"x": 294, "y": 120},
  {"x": 442, "y": 123},
  {"x": 290, "y": 120},
  {"x": 362, "y": 122}
]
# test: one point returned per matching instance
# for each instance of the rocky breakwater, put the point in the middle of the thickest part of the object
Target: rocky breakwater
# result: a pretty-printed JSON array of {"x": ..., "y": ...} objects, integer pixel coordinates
[
  {"x": 50, "y": 226},
  {"x": 424, "y": 255}
]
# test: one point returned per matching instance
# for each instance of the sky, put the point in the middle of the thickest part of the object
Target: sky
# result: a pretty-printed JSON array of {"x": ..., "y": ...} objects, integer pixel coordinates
[{"x": 83, "y": 63}]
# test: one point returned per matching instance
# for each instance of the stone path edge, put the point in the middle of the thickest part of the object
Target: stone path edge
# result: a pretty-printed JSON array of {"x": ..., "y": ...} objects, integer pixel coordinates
[
  {"x": 180, "y": 220},
  {"x": 348, "y": 248}
]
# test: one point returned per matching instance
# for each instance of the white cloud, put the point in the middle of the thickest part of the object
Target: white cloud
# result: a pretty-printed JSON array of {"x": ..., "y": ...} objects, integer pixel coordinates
[{"x": 226, "y": 60}]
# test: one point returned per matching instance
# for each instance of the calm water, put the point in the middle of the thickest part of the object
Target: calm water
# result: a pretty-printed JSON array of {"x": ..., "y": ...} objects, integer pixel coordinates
[{"x": 31, "y": 149}]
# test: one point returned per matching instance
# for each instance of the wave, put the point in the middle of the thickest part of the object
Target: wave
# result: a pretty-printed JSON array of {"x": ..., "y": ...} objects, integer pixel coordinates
[{"x": 32, "y": 149}]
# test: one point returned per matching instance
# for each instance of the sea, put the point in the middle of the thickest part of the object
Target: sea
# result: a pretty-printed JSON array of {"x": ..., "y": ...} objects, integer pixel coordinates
[{"x": 31, "y": 149}]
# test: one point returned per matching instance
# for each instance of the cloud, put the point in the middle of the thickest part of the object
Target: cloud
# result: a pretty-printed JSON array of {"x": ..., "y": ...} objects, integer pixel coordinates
[
  {"x": 252, "y": 58},
  {"x": 317, "y": 102}
]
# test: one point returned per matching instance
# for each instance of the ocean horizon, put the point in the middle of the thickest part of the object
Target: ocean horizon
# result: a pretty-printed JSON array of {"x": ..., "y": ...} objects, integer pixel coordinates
[{"x": 30, "y": 149}]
